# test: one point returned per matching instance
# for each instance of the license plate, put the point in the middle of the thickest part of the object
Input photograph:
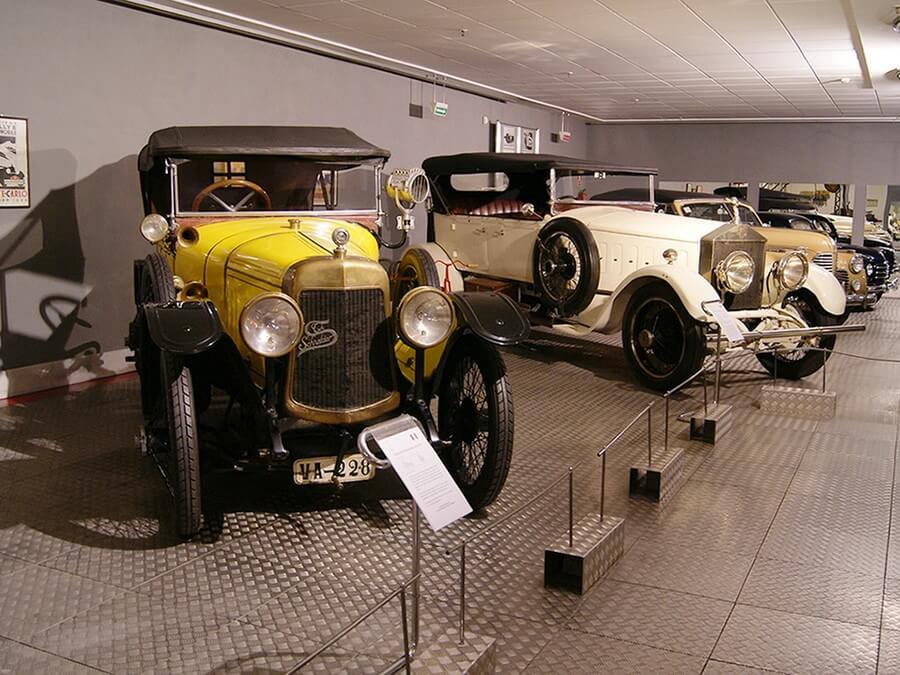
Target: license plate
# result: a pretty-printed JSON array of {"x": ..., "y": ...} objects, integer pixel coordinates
[{"x": 317, "y": 470}]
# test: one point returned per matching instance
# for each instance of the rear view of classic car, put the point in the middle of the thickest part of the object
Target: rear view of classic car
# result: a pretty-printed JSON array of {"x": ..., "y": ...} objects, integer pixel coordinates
[
  {"x": 581, "y": 265},
  {"x": 265, "y": 288}
]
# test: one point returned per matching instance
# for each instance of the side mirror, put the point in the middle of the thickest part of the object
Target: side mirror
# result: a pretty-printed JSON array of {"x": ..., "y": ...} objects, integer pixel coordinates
[{"x": 408, "y": 188}]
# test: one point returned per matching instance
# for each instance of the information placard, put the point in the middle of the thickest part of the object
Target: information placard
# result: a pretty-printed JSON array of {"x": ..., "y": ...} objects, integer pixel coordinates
[
  {"x": 425, "y": 476},
  {"x": 731, "y": 331}
]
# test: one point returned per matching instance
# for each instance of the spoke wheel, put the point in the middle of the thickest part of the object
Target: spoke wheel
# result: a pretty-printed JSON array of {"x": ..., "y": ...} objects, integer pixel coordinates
[
  {"x": 566, "y": 267},
  {"x": 475, "y": 417},
  {"x": 663, "y": 344}
]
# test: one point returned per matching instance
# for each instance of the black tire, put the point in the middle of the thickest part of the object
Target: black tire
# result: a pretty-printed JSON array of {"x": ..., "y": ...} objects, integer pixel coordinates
[
  {"x": 801, "y": 363},
  {"x": 566, "y": 267},
  {"x": 416, "y": 268},
  {"x": 475, "y": 414},
  {"x": 155, "y": 285},
  {"x": 183, "y": 465},
  {"x": 664, "y": 345}
]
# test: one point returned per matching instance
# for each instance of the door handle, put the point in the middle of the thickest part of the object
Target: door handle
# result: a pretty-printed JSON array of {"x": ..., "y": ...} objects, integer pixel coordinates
[
  {"x": 500, "y": 233},
  {"x": 479, "y": 230}
]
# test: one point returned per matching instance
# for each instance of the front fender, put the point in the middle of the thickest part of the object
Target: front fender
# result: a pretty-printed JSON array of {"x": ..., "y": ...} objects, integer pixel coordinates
[
  {"x": 183, "y": 327},
  {"x": 605, "y": 313},
  {"x": 492, "y": 316},
  {"x": 827, "y": 290}
]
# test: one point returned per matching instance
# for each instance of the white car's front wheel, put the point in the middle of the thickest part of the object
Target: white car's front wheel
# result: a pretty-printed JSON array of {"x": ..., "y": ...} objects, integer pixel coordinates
[{"x": 664, "y": 345}]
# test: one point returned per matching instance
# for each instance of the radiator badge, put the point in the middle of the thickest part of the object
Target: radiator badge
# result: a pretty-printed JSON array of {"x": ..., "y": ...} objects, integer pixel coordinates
[{"x": 316, "y": 336}]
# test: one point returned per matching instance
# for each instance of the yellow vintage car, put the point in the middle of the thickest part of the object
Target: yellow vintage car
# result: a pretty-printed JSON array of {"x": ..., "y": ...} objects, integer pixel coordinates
[{"x": 265, "y": 287}]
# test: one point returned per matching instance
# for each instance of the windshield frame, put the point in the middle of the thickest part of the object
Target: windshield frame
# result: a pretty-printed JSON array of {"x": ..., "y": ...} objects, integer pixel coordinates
[
  {"x": 377, "y": 213},
  {"x": 735, "y": 215},
  {"x": 554, "y": 197}
]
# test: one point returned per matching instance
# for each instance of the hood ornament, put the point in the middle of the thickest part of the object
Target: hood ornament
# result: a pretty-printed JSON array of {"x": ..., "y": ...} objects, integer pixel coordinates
[{"x": 340, "y": 236}]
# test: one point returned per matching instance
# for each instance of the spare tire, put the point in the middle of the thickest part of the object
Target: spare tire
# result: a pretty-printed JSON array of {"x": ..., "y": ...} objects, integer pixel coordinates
[
  {"x": 415, "y": 268},
  {"x": 566, "y": 267}
]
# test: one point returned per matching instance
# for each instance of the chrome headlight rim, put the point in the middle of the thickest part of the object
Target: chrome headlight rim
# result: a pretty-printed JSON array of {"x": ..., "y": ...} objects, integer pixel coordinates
[
  {"x": 417, "y": 295},
  {"x": 857, "y": 263},
  {"x": 154, "y": 228},
  {"x": 726, "y": 267},
  {"x": 288, "y": 345},
  {"x": 781, "y": 268}
]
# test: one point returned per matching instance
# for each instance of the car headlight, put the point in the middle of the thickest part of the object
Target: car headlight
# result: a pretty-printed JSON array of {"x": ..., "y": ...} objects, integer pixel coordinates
[
  {"x": 271, "y": 324},
  {"x": 857, "y": 263},
  {"x": 735, "y": 272},
  {"x": 856, "y": 285},
  {"x": 869, "y": 270},
  {"x": 792, "y": 270},
  {"x": 425, "y": 317},
  {"x": 154, "y": 228}
]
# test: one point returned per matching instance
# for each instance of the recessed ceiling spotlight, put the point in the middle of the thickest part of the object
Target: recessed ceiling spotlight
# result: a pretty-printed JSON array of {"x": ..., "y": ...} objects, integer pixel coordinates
[{"x": 637, "y": 100}]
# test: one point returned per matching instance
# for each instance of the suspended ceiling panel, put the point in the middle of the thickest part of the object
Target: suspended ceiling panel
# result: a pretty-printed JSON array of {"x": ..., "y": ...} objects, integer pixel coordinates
[{"x": 620, "y": 59}]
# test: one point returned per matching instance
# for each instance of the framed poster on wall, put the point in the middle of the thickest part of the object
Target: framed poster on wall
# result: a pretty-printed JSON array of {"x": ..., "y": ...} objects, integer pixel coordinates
[
  {"x": 529, "y": 140},
  {"x": 14, "y": 175},
  {"x": 506, "y": 137}
]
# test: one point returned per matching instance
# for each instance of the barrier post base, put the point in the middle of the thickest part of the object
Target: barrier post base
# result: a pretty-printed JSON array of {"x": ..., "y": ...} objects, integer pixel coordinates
[
  {"x": 444, "y": 654},
  {"x": 714, "y": 425},
  {"x": 658, "y": 481},
  {"x": 797, "y": 402},
  {"x": 597, "y": 544}
]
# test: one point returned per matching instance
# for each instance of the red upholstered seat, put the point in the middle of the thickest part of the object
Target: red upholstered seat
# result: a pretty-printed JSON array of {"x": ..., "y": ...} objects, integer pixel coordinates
[{"x": 498, "y": 207}]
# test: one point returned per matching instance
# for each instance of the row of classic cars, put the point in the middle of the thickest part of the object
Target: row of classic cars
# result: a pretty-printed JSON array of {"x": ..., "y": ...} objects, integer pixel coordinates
[{"x": 265, "y": 288}]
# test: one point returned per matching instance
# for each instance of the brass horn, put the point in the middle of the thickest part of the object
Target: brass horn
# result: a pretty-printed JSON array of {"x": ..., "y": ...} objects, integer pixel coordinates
[{"x": 188, "y": 235}]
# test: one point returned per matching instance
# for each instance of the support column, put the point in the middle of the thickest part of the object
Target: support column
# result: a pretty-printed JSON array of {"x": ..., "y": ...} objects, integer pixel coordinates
[
  {"x": 859, "y": 214},
  {"x": 753, "y": 193}
]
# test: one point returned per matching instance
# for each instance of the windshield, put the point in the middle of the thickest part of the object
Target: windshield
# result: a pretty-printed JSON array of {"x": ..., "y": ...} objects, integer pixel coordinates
[
  {"x": 720, "y": 211},
  {"x": 592, "y": 186},
  {"x": 261, "y": 185}
]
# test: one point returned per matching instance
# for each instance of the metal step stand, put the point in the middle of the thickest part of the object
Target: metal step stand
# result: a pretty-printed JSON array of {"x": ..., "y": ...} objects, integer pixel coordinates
[
  {"x": 576, "y": 560},
  {"x": 796, "y": 401},
  {"x": 717, "y": 418},
  {"x": 663, "y": 474}
]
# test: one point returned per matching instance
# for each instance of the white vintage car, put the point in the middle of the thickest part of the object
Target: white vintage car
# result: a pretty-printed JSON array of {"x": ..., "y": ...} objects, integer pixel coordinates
[{"x": 527, "y": 224}]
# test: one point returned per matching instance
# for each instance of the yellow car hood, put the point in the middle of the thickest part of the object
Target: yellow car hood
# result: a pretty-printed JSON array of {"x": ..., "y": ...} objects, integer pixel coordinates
[{"x": 263, "y": 249}]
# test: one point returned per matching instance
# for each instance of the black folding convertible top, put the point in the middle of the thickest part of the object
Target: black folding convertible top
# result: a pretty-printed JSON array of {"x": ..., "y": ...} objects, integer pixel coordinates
[
  {"x": 487, "y": 162},
  {"x": 319, "y": 143}
]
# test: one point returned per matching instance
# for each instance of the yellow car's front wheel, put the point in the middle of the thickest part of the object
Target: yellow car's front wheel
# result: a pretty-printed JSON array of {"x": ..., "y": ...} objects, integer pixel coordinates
[{"x": 475, "y": 416}]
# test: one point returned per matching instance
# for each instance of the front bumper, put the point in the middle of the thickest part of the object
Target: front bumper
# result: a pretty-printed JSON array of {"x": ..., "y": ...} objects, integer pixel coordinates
[
  {"x": 863, "y": 299},
  {"x": 767, "y": 337}
]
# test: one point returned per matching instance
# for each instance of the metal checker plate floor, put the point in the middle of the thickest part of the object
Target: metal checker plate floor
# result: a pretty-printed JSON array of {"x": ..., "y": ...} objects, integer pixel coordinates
[{"x": 780, "y": 552}]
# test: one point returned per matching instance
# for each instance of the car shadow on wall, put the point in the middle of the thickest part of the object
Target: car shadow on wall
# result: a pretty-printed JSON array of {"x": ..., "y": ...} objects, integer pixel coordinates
[{"x": 42, "y": 274}]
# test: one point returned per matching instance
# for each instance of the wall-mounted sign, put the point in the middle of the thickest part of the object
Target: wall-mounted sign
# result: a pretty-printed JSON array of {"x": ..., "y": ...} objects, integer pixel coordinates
[
  {"x": 529, "y": 140},
  {"x": 512, "y": 138},
  {"x": 14, "y": 186},
  {"x": 441, "y": 108},
  {"x": 506, "y": 138}
]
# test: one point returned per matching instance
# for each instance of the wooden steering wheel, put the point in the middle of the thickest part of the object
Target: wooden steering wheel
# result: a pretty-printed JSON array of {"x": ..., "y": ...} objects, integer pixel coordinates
[{"x": 252, "y": 190}]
